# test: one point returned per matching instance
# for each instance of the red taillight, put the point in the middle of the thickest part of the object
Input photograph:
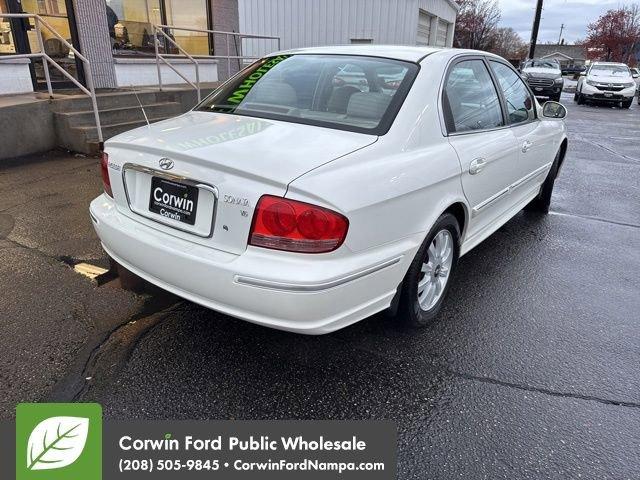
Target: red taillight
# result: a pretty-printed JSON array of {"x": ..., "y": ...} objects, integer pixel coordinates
[
  {"x": 104, "y": 169},
  {"x": 293, "y": 226}
]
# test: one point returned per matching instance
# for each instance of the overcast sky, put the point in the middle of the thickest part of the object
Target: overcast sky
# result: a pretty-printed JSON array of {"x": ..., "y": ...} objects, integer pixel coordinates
[{"x": 575, "y": 14}]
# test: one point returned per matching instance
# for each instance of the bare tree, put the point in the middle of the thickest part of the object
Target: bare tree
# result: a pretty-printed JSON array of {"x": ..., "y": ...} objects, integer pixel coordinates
[
  {"x": 507, "y": 43},
  {"x": 633, "y": 27},
  {"x": 476, "y": 24}
]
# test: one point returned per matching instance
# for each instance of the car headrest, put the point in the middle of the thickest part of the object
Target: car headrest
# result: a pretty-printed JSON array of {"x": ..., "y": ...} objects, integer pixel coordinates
[
  {"x": 368, "y": 105},
  {"x": 273, "y": 92},
  {"x": 339, "y": 99}
]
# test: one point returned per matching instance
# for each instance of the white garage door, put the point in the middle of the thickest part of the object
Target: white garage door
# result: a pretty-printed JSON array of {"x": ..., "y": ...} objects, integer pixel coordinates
[
  {"x": 424, "y": 28},
  {"x": 441, "y": 37}
]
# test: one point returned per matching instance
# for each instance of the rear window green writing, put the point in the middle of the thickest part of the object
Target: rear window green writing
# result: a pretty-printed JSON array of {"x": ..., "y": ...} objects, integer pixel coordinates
[{"x": 241, "y": 92}]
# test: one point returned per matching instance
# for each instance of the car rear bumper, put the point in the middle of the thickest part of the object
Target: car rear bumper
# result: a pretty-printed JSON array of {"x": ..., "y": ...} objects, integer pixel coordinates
[{"x": 312, "y": 294}]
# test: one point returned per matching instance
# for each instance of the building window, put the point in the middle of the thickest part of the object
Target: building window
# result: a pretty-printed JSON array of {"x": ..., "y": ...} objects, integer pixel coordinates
[
  {"x": 46, "y": 7},
  {"x": 131, "y": 25},
  {"x": 189, "y": 14},
  {"x": 6, "y": 37}
]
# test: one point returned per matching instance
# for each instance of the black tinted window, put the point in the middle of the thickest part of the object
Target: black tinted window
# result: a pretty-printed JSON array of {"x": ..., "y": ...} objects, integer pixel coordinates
[
  {"x": 519, "y": 102},
  {"x": 472, "y": 98}
]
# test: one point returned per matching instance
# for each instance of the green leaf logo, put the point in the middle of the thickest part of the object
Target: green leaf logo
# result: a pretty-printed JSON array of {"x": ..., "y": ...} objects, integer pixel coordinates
[{"x": 56, "y": 442}]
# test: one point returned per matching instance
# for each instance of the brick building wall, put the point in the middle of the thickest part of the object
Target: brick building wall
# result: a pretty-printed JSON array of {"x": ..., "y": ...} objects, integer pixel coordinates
[
  {"x": 95, "y": 44},
  {"x": 225, "y": 18}
]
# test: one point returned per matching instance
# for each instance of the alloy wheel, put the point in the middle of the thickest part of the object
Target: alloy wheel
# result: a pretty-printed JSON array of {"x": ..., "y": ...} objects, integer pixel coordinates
[{"x": 435, "y": 270}]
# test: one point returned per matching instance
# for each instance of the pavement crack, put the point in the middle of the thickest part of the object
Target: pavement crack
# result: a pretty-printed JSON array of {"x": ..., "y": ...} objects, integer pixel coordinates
[
  {"x": 610, "y": 150},
  {"x": 16, "y": 186},
  {"x": 596, "y": 219},
  {"x": 529, "y": 388},
  {"x": 26, "y": 202},
  {"x": 543, "y": 391},
  {"x": 107, "y": 353},
  {"x": 35, "y": 249}
]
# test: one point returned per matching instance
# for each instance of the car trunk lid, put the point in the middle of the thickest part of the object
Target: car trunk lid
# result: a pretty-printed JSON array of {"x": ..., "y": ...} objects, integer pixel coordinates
[{"x": 230, "y": 160}]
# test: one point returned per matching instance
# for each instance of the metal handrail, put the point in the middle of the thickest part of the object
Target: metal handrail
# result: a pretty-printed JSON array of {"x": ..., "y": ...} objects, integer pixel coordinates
[
  {"x": 162, "y": 57},
  {"x": 46, "y": 59}
]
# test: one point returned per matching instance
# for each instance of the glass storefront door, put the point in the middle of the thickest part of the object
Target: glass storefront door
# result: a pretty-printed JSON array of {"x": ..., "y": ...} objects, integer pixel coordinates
[
  {"x": 131, "y": 26},
  {"x": 20, "y": 36}
]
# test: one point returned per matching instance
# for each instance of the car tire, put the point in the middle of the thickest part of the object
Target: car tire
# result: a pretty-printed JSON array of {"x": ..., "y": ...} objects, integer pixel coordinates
[
  {"x": 575, "y": 96},
  {"x": 627, "y": 104},
  {"x": 556, "y": 98},
  {"x": 580, "y": 99},
  {"x": 427, "y": 281},
  {"x": 542, "y": 202}
]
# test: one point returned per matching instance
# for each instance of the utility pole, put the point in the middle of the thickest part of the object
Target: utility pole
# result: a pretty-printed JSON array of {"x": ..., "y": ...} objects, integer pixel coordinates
[
  {"x": 534, "y": 30},
  {"x": 560, "y": 36}
]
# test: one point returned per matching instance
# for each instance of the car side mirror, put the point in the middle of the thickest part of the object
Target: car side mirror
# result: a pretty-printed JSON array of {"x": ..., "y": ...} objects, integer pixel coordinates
[{"x": 554, "y": 110}]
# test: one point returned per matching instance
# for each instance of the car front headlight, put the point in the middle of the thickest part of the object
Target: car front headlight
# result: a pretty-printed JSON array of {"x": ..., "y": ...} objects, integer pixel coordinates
[
  {"x": 592, "y": 83},
  {"x": 629, "y": 84},
  {"x": 559, "y": 80}
]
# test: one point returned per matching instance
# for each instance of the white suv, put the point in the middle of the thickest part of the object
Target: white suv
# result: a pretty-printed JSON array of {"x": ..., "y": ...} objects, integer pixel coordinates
[{"x": 606, "y": 82}]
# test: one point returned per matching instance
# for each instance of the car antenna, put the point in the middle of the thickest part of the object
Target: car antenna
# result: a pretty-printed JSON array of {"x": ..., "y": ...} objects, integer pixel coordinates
[{"x": 141, "y": 107}]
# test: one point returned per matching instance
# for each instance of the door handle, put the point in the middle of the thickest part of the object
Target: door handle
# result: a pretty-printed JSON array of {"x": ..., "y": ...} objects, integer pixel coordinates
[
  {"x": 477, "y": 165},
  {"x": 526, "y": 146}
]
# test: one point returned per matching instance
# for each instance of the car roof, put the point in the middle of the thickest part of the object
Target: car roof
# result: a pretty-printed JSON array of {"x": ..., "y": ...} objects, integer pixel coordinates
[
  {"x": 398, "y": 52},
  {"x": 609, "y": 63}
]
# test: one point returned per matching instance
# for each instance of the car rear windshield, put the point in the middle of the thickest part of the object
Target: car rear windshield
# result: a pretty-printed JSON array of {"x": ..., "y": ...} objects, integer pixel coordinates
[{"x": 347, "y": 92}]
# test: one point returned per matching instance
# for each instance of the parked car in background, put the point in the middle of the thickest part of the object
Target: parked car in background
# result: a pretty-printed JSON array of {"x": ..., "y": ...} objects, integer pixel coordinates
[
  {"x": 544, "y": 77},
  {"x": 635, "y": 73},
  {"x": 296, "y": 201},
  {"x": 573, "y": 69},
  {"x": 606, "y": 82}
]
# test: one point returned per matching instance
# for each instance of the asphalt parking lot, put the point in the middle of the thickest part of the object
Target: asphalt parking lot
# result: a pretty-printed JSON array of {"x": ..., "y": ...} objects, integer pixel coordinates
[{"x": 531, "y": 370}]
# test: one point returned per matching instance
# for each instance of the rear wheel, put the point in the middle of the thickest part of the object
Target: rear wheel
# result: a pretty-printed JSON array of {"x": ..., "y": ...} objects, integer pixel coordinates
[
  {"x": 427, "y": 282},
  {"x": 542, "y": 202}
]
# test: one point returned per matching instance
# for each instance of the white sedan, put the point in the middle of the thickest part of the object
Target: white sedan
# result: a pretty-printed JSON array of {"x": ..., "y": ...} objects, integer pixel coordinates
[{"x": 296, "y": 200}]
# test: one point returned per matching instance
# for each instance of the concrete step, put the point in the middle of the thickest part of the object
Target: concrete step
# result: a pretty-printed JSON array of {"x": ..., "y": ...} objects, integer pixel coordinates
[
  {"x": 84, "y": 139},
  {"x": 128, "y": 98},
  {"x": 119, "y": 111},
  {"x": 119, "y": 114},
  {"x": 110, "y": 100}
]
